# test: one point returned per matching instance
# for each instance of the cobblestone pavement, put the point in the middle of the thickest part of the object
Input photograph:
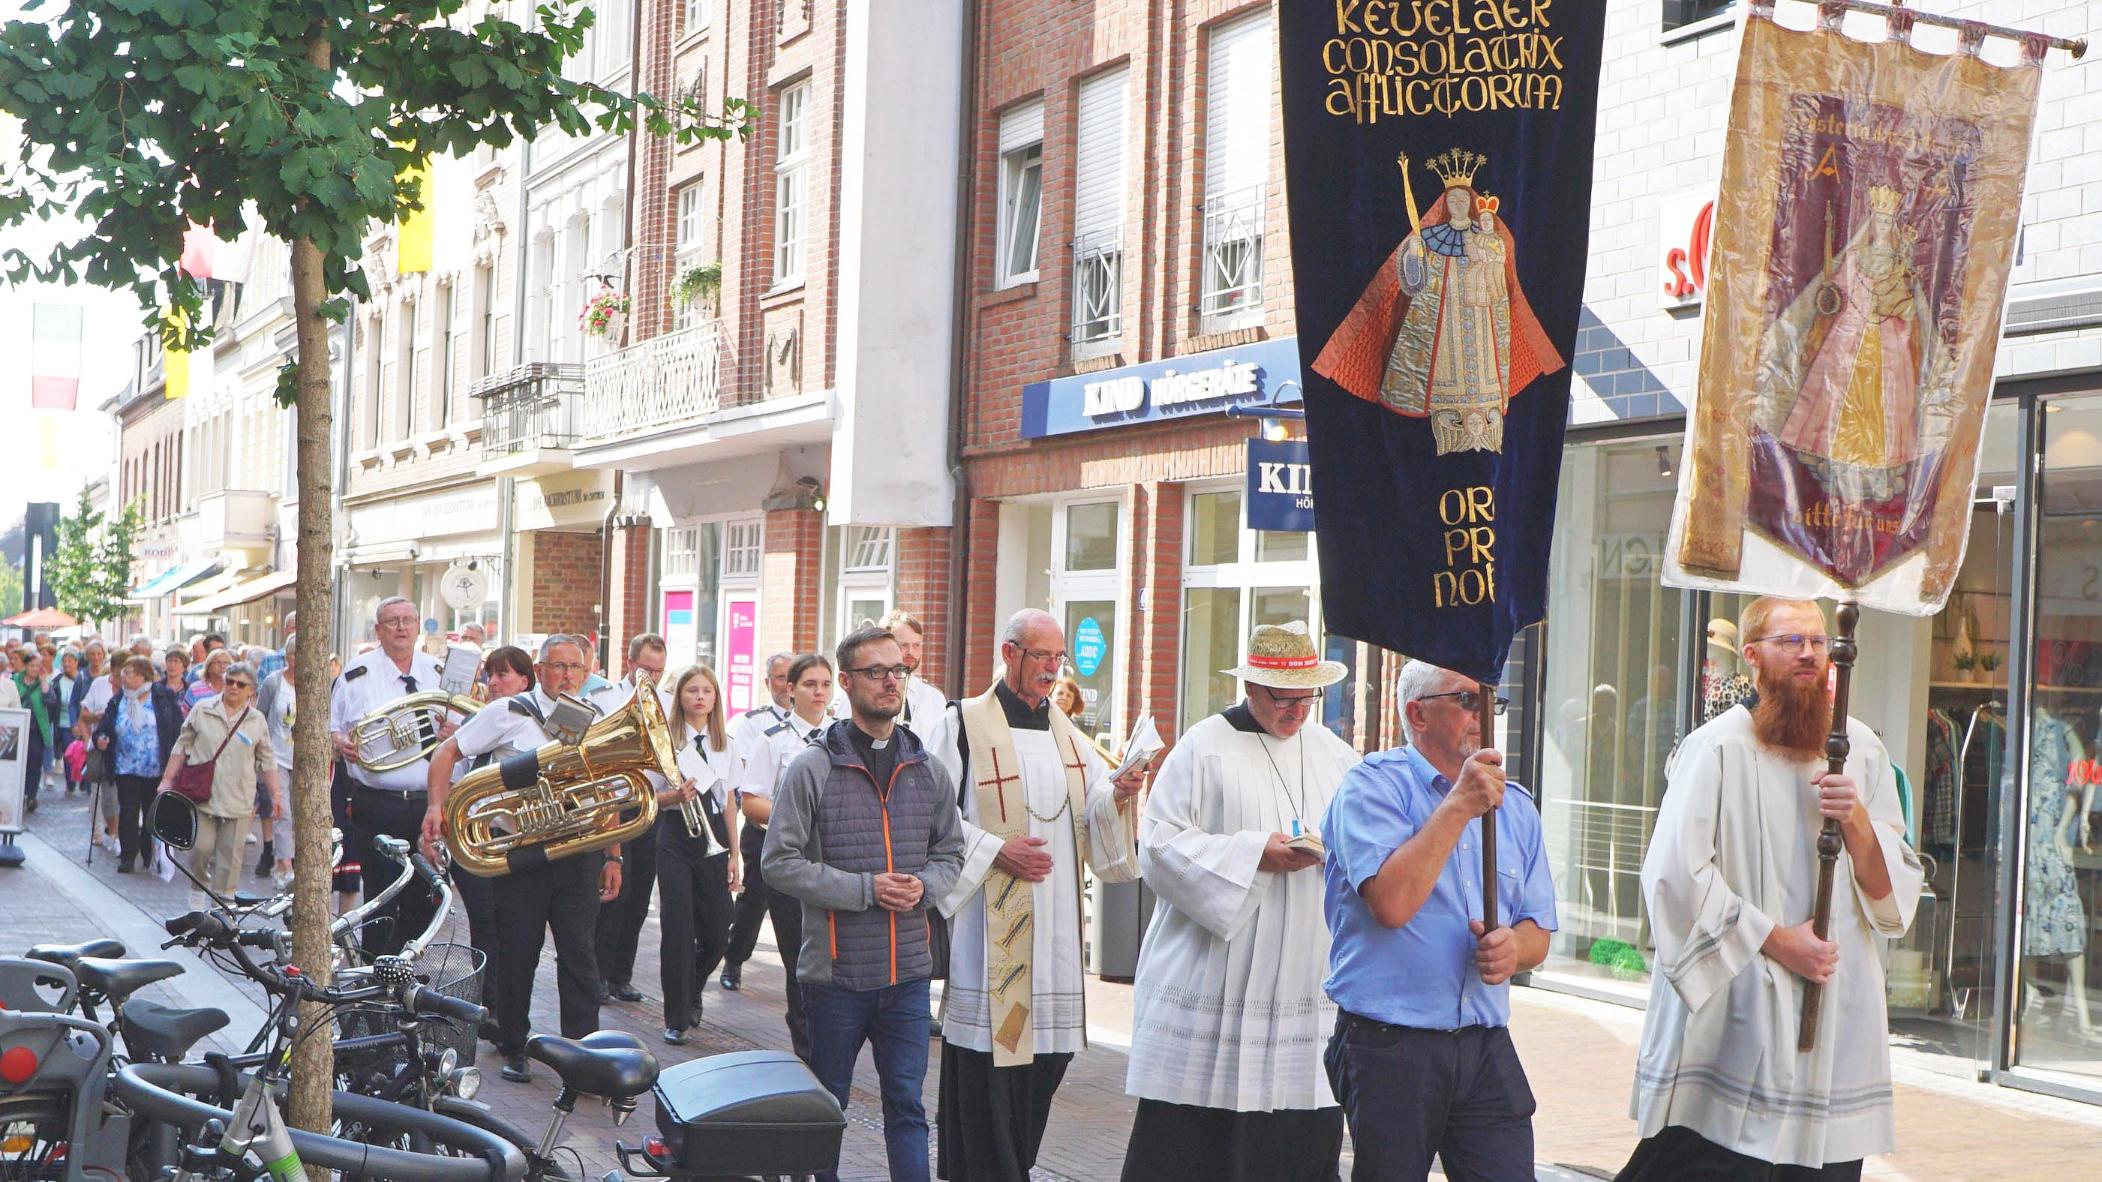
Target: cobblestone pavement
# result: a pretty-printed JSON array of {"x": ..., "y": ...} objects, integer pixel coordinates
[{"x": 1580, "y": 1053}]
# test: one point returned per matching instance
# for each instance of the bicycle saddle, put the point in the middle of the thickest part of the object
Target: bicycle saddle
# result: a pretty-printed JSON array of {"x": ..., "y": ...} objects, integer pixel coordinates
[
  {"x": 247, "y": 899},
  {"x": 609, "y": 1063},
  {"x": 119, "y": 979},
  {"x": 164, "y": 1033},
  {"x": 70, "y": 954}
]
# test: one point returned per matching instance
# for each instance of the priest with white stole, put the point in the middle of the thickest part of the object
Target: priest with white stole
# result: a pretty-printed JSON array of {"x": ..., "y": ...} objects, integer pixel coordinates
[
  {"x": 1229, "y": 1017},
  {"x": 1721, "y": 1093},
  {"x": 1037, "y": 804}
]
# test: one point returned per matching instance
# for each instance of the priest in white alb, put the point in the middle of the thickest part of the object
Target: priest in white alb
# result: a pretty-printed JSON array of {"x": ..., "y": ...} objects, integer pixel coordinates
[
  {"x": 1721, "y": 1092},
  {"x": 1038, "y": 804},
  {"x": 1229, "y": 1018}
]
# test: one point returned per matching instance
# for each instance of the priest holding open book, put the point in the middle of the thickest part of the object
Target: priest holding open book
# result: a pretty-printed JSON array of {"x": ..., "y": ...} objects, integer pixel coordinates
[{"x": 1228, "y": 1016}]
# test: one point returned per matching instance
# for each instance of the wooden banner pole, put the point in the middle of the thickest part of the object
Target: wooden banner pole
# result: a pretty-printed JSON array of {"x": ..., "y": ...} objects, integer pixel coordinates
[{"x": 1829, "y": 841}]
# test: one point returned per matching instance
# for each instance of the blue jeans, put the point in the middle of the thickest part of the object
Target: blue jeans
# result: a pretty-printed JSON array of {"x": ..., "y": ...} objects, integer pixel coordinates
[{"x": 893, "y": 1019}]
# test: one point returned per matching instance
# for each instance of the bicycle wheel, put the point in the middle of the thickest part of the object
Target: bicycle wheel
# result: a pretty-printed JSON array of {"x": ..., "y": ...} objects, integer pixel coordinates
[
  {"x": 482, "y": 1118},
  {"x": 33, "y": 1136}
]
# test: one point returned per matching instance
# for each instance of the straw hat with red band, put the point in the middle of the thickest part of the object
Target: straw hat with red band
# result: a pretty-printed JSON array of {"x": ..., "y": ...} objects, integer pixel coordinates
[{"x": 1283, "y": 656}]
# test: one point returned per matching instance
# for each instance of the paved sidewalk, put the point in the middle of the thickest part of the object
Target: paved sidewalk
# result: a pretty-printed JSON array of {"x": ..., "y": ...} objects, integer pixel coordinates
[{"x": 1580, "y": 1053}]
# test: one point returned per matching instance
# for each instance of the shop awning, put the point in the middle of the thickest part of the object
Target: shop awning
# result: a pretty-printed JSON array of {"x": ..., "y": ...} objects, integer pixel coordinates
[
  {"x": 209, "y": 586},
  {"x": 247, "y": 591},
  {"x": 168, "y": 581},
  {"x": 40, "y": 619}
]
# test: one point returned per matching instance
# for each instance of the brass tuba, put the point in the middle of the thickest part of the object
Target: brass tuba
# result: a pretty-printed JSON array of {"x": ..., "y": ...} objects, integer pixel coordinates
[
  {"x": 563, "y": 799},
  {"x": 406, "y": 729}
]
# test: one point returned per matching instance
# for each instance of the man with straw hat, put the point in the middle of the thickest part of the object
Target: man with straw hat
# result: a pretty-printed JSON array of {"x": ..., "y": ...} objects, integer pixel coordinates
[{"x": 1229, "y": 1015}]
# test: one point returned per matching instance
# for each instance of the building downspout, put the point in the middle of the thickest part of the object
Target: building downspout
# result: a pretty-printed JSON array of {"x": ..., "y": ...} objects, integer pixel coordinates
[
  {"x": 959, "y": 352},
  {"x": 345, "y": 642}
]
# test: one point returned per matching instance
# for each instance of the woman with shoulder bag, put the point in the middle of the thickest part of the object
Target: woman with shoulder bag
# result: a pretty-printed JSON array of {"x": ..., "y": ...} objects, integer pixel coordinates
[
  {"x": 136, "y": 736},
  {"x": 226, "y": 739}
]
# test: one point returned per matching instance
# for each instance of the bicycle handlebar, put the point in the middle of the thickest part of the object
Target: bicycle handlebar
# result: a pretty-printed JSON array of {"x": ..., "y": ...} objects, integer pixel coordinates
[
  {"x": 425, "y": 1002},
  {"x": 161, "y": 1092}
]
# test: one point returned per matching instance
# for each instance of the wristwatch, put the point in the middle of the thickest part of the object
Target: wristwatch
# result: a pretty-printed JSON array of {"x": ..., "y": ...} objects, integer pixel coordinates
[{"x": 615, "y": 858}]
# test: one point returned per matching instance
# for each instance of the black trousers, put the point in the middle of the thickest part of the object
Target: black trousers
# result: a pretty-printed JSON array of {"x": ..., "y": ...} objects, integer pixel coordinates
[
  {"x": 1409, "y": 1094},
  {"x": 620, "y": 921},
  {"x": 562, "y": 896},
  {"x": 1681, "y": 1155},
  {"x": 477, "y": 897},
  {"x": 694, "y": 912},
  {"x": 751, "y": 905},
  {"x": 349, "y": 871},
  {"x": 1187, "y": 1143},
  {"x": 992, "y": 1118},
  {"x": 33, "y": 771},
  {"x": 134, "y": 795},
  {"x": 390, "y": 814}
]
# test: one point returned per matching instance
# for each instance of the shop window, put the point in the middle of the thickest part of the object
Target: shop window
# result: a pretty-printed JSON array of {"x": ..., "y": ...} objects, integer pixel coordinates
[
  {"x": 2061, "y": 895},
  {"x": 1091, "y": 537},
  {"x": 1680, "y": 13},
  {"x": 741, "y": 549},
  {"x": 1021, "y": 192}
]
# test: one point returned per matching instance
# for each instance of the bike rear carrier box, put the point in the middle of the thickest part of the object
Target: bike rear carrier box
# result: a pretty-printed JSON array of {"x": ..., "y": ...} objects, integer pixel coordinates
[{"x": 748, "y": 1112}]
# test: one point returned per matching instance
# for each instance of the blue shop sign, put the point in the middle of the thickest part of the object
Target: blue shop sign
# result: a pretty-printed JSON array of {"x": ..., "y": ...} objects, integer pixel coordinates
[
  {"x": 1160, "y": 391},
  {"x": 1280, "y": 486},
  {"x": 1089, "y": 647}
]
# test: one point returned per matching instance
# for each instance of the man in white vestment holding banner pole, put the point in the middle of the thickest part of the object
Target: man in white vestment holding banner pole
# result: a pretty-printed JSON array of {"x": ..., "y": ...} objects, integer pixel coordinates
[
  {"x": 1037, "y": 801},
  {"x": 1228, "y": 1014}
]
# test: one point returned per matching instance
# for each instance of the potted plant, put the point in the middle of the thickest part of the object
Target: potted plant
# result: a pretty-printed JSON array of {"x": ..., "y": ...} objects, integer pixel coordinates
[
  {"x": 604, "y": 314},
  {"x": 1966, "y": 661},
  {"x": 1990, "y": 662},
  {"x": 698, "y": 282}
]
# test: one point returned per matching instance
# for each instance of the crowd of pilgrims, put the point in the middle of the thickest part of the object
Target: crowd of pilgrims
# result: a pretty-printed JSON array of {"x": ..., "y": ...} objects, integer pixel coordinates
[{"x": 1315, "y": 961}]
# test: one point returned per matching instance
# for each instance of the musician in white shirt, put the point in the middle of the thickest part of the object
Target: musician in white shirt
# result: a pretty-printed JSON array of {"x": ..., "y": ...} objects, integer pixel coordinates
[
  {"x": 748, "y": 734},
  {"x": 620, "y": 921},
  {"x": 696, "y": 872}
]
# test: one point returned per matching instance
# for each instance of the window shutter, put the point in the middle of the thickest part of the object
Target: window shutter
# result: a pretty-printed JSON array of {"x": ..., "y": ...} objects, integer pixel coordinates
[
  {"x": 1098, "y": 190},
  {"x": 1022, "y": 126},
  {"x": 1237, "y": 106}
]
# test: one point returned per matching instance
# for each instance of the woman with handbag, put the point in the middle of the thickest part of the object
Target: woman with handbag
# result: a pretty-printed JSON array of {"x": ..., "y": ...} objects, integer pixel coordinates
[
  {"x": 223, "y": 750},
  {"x": 136, "y": 736}
]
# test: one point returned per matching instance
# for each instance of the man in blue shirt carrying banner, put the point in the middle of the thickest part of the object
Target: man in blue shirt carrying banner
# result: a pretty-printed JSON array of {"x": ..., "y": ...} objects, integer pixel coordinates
[{"x": 1421, "y": 1058}]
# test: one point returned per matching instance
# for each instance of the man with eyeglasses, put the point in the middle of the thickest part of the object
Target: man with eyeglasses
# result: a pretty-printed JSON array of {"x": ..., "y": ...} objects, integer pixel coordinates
[
  {"x": 1037, "y": 804},
  {"x": 1227, "y": 1009},
  {"x": 865, "y": 834},
  {"x": 1421, "y": 1057},
  {"x": 386, "y": 803},
  {"x": 562, "y": 896},
  {"x": 1721, "y": 1091}
]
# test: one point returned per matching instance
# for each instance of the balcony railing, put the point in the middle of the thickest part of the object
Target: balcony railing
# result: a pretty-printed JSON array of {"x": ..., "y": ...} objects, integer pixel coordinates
[
  {"x": 532, "y": 406},
  {"x": 1233, "y": 255},
  {"x": 1098, "y": 287},
  {"x": 667, "y": 380}
]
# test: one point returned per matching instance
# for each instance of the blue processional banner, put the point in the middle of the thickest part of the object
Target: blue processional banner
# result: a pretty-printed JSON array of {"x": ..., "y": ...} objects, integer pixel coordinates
[{"x": 1438, "y": 168}]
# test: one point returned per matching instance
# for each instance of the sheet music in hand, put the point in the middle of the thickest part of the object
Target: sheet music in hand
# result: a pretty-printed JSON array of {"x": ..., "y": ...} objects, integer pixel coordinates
[{"x": 1140, "y": 749}]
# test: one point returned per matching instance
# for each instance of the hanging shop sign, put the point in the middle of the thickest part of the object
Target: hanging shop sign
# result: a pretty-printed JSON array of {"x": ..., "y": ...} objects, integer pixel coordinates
[
  {"x": 1280, "y": 493},
  {"x": 1159, "y": 391}
]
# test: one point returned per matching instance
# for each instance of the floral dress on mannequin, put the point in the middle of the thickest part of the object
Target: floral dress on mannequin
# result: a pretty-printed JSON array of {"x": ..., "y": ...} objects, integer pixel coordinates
[{"x": 2053, "y": 921}]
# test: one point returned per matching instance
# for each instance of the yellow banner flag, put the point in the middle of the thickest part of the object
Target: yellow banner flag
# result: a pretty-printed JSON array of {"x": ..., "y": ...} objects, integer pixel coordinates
[
  {"x": 176, "y": 364},
  {"x": 419, "y": 231}
]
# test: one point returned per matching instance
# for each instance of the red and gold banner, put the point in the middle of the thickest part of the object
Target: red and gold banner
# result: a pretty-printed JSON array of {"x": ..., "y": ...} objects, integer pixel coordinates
[{"x": 1871, "y": 194}]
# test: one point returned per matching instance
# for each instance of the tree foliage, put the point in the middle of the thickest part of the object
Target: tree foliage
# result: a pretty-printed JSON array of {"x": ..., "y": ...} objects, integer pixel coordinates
[
  {"x": 147, "y": 116},
  {"x": 90, "y": 572}
]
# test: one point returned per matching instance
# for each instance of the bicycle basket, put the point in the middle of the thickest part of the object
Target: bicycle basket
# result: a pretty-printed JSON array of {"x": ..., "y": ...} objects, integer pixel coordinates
[{"x": 453, "y": 969}]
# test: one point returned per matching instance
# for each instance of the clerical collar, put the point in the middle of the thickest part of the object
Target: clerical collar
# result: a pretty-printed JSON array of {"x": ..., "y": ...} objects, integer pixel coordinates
[
  {"x": 1021, "y": 715},
  {"x": 868, "y": 740},
  {"x": 1241, "y": 718}
]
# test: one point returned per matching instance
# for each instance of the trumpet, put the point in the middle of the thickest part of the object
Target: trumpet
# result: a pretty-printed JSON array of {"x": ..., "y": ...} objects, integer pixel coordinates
[
  {"x": 405, "y": 730},
  {"x": 692, "y": 768},
  {"x": 563, "y": 799}
]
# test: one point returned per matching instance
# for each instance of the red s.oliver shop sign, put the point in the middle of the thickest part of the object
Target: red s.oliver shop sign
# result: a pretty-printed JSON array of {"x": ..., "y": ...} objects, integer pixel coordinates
[{"x": 1685, "y": 234}]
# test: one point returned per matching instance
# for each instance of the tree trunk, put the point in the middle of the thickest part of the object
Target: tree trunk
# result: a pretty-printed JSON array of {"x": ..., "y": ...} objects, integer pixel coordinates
[{"x": 313, "y": 1063}]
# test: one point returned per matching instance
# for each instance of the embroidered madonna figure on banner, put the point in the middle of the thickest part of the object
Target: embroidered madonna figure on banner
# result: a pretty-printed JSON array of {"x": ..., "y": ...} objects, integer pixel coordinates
[{"x": 1443, "y": 330}]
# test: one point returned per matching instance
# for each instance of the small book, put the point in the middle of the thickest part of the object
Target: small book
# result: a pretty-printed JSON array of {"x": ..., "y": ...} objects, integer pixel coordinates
[
  {"x": 1306, "y": 841},
  {"x": 1143, "y": 746}
]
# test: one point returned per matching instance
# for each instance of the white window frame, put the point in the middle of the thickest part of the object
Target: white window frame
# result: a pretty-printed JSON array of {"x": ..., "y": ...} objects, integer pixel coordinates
[
  {"x": 743, "y": 539},
  {"x": 695, "y": 16},
  {"x": 791, "y": 154},
  {"x": 1237, "y": 163},
  {"x": 1097, "y": 321},
  {"x": 449, "y": 329},
  {"x": 1021, "y": 153},
  {"x": 1246, "y": 574},
  {"x": 410, "y": 343},
  {"x": 484, "y": 318}
]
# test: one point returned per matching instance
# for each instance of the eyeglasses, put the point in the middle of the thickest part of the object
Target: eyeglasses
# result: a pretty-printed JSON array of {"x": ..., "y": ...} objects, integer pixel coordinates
[
  {"x": 399, "y": 622},
  {"x": 1293, "y": 701},
  {"x": 1796, "y": 642},
  {"x": 1470, "y": 700},
  {"x": 882, "y": 672},
  {"x": 236, "y": 683},
  {"x": 1047, "y": 657}
]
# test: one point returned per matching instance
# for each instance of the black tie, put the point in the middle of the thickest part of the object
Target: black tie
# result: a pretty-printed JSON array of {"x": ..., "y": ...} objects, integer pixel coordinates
[
  {"x": 425, "y": 728},
  {"x": 409, "y": 680}
]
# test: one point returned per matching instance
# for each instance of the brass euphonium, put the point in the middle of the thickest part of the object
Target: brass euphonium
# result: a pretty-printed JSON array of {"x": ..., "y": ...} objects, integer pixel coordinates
[
  {"x": 563, "y": 799},
  {"x": 405, "y": 729}
]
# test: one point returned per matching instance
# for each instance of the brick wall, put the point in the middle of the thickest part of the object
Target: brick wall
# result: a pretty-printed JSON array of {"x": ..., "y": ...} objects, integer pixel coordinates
[
  {"x": 922, "y": 565},
  {"x": 565, "y": 581},
  {"x": 628, "y": 611},
  {"x": 788, "y": 580}
]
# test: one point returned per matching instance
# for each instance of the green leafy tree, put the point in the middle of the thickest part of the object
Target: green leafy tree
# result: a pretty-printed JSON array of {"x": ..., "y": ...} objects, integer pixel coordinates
[
  {"x": 91, "y": 569},
  {"x": 144, "y": 117},
  {"x": 75, "y": 582},
  {"x": 10, "y": 585}
]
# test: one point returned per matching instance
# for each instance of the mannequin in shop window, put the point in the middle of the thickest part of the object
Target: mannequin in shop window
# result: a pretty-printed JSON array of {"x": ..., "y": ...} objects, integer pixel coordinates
[
  {"x": 1723, "y": 680},
  {"x": 2054, "y": 924}
]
